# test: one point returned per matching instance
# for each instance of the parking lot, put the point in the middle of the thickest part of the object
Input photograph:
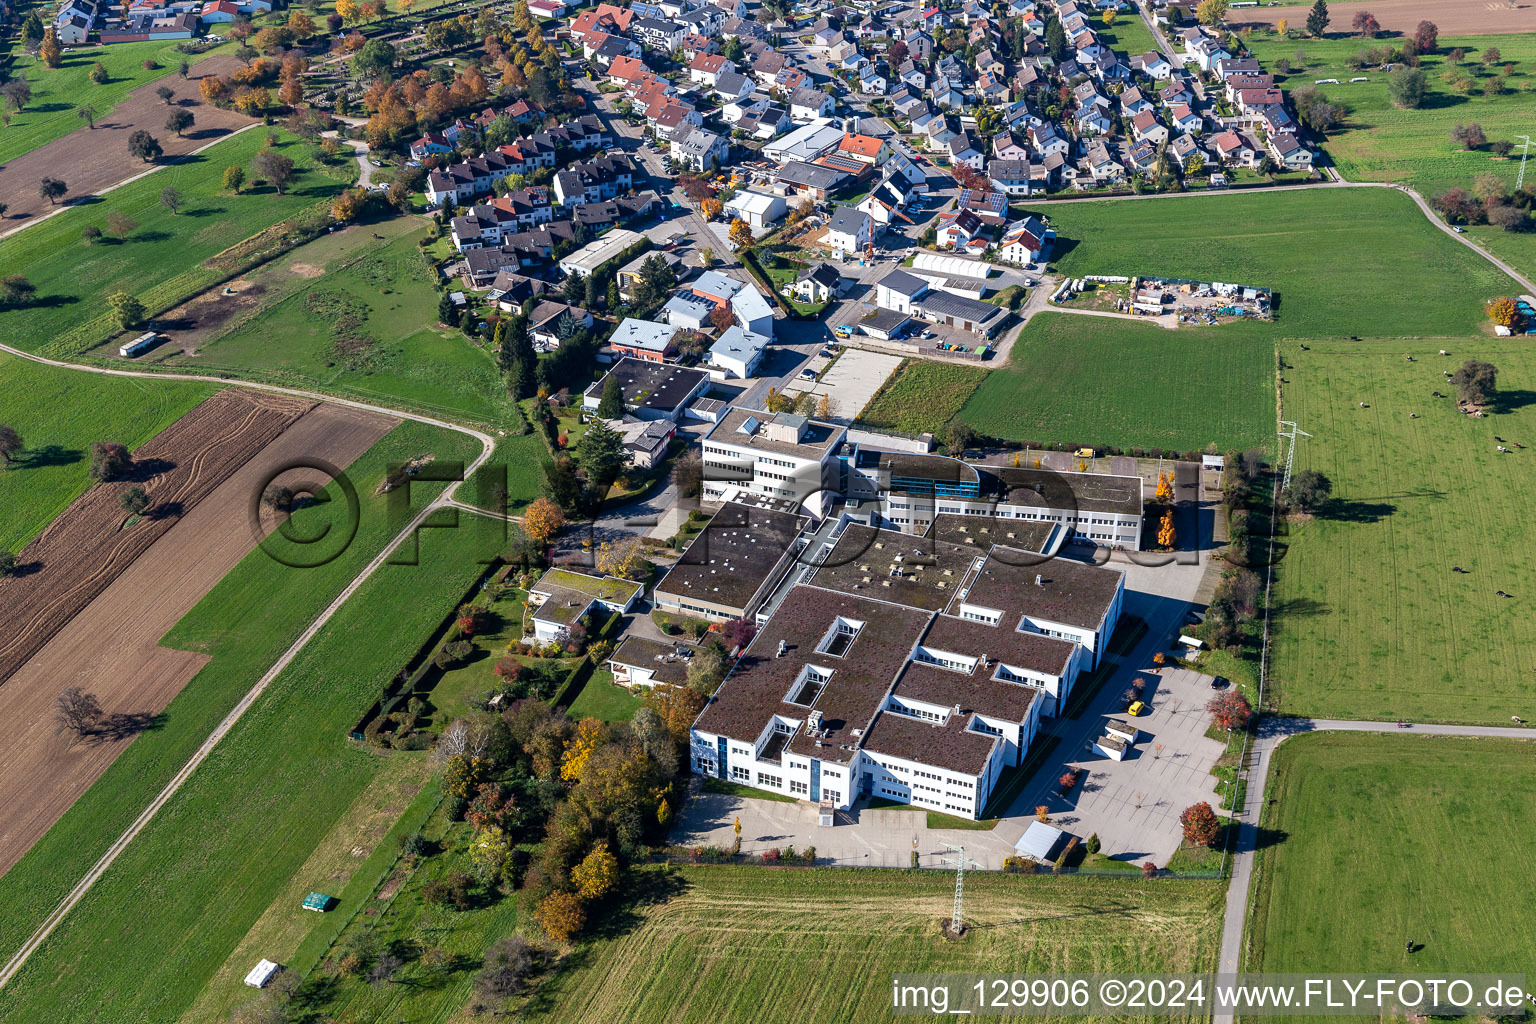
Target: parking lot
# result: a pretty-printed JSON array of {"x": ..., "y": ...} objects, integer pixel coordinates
[
  {"x": 852, "y": 381},
  {"x": 1134, "y": 805}
]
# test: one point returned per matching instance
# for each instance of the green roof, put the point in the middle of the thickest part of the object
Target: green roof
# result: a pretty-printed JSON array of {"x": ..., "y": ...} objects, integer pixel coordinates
[{"x": 317, "y": 901}]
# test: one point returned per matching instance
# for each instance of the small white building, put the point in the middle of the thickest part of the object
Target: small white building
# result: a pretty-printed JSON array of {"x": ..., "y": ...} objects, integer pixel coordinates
[
  {"x": 758, "y": 209},
  {"x": 563, "y": 597},
  {"x": 738, "y": 352}
]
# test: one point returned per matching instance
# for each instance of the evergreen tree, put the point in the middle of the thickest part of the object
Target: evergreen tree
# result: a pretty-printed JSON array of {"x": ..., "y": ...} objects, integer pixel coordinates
[
  {"x": 447, "y": 312},
  {"x": 561, "y": 485},
  {"x": 1317, "y": 19},
  {"x": 593, "y": 292},
  {"x": 575, "y": 288},
  {"x": 611, "y": 407},
  {"x": 601, "y": 453},
  {"x": 1056, "y": 38}
]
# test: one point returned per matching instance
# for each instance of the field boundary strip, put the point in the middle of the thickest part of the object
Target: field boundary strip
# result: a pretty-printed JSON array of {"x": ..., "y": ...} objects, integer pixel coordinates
[{"x": 442, "y": 500}]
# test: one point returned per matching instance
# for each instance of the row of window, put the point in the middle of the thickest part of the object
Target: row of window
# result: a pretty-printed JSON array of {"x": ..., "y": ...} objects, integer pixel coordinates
[
  {"x": 911, "y": 712},
  {"x": 771, "y": 781},
  {"x": 798, "y": 788}
]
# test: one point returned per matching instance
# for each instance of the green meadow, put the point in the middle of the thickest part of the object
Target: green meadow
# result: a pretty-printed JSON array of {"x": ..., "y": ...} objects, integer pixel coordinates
[
  {"x": 163, "y": 260},
  {"x": 59, "y": 414}
]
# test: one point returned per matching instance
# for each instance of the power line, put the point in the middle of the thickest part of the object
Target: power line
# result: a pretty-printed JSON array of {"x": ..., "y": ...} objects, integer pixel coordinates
[
  {"x": 1525, "y": 153},
  {"x": 956, "y": 921},
  {"x": 1290, "y": 453}
]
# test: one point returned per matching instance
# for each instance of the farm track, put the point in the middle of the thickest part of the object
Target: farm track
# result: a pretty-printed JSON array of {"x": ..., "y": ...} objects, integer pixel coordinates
[
  {"x": 111, "y": 648},
  {"x": 444, "y": 498},
  {"x": 86, "y": 548}
]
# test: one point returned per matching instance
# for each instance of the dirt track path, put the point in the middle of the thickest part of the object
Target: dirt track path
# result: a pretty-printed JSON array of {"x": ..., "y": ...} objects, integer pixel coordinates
[
  {"x": 95, "y": 160},
  {"x": 75, "y": 895},
  {"x": 111, "y": 647}
]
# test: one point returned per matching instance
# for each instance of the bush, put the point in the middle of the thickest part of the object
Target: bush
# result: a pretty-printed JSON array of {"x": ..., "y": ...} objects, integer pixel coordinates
[
  {"x": 414, "y": 844},
  {"x": 1092, "y": 845}
]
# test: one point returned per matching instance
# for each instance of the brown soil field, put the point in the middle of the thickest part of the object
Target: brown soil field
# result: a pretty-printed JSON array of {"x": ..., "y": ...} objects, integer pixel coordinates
[
  {"x": 1457, "y": 18},
  {"x": 97, "y": 158},
  {"x": 110, "y": 647},
  {"x": 90, "y": 545}
]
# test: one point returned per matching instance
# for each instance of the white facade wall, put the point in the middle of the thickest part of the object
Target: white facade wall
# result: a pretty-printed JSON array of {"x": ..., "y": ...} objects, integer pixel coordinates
[{"x": 913, "y": 514}]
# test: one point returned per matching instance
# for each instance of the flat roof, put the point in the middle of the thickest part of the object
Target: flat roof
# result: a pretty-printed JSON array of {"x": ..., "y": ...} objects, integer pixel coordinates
[
  {"x": 733, "y": 556},
  {"x": 1091, "y": 492},
  {"x": 886, "y": 321},
  {"x": 982, "y": 533},
  {"x": 952, "y": 745},
  {"x": 1070, "y": 593},
  {"x": 814, "y": 441},
  {"x": 759, "y": 686},
  {"x": 891, "y": 566},
  {"x": 667, "y": 662},
  {"x": 647, "y": 385}
]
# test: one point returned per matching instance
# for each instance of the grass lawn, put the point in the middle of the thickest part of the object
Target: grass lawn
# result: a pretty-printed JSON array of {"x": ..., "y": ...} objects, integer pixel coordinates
[
  {"x": 194, "y": 882},
  {"x": 58, "y": 92},
  {"x": 821, "y": 944},
  {"x": 58, "y": 414},
  {"x": 1100, "y": 381},
  {"x": 725, "y": 788},
  {"x": 1128, "y": 36},
  {"x": 517, "y": 464},
  {"x": 366, "y": 328},
  {"x": 349, "y": 864},
  {"x": 1370, "y": 620},
  {"x": 1096, "y": 381},
  {"x": 1342, "y": 262},
  {"x": 1404, "y": 805},
  {"x": 936, "y": 819},
  {"x": 601, "y": 699},
  {"x": 1379, "y": 142},
  {"x": 921, "y": 396},
  {"x": 162, "y": 261}
]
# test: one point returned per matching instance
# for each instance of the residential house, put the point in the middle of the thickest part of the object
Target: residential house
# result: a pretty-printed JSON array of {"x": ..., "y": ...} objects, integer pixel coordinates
[
  {"x": 657, "y": 34},
  {"x": 807, "y": 105},
  {"x": 1154, "y": 65},
  {"x": 850, "y": 230},
  {"x": 738, "y": 352},
  {"x": 1023, "y": 242},
  {"x": 594, "y": 180},
  {"x": 818, "y": 283},
  {"x": 700, "y": 150},
  {"x": 646, "y": 340},
  {"x": 706, "y": 67},
  {"x": 1146, "y": 126},
  {"x": 1012, "y": 177}
]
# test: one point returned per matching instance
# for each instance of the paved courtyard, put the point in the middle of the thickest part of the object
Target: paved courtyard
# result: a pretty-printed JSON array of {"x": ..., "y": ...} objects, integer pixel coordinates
[
  {"x": 1134, "y": 805},
  {"x": 852, "y": 381}
]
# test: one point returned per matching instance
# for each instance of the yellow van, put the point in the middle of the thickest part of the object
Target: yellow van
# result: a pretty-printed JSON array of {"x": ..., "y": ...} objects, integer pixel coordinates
[{"x": 1084, "y": 453}]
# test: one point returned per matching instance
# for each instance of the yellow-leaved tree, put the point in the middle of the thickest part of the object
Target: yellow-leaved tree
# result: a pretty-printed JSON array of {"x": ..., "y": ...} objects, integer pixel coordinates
[
  {"x": 590, "y": 734},
  {"x": 561, "y": 915},
  {"x": 542, "y": 520},
  {"x": 1164, "y": 490},
  {"x": 1165, "y": 532},
  {"x": 597, "y": 874}
]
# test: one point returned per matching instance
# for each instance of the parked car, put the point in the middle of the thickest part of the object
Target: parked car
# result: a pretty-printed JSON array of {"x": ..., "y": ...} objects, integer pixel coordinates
[
  {"x": 1220, "y": 683},
  {"x": 1136, "y": 709},
  {"x": 807, "y": 374}
]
